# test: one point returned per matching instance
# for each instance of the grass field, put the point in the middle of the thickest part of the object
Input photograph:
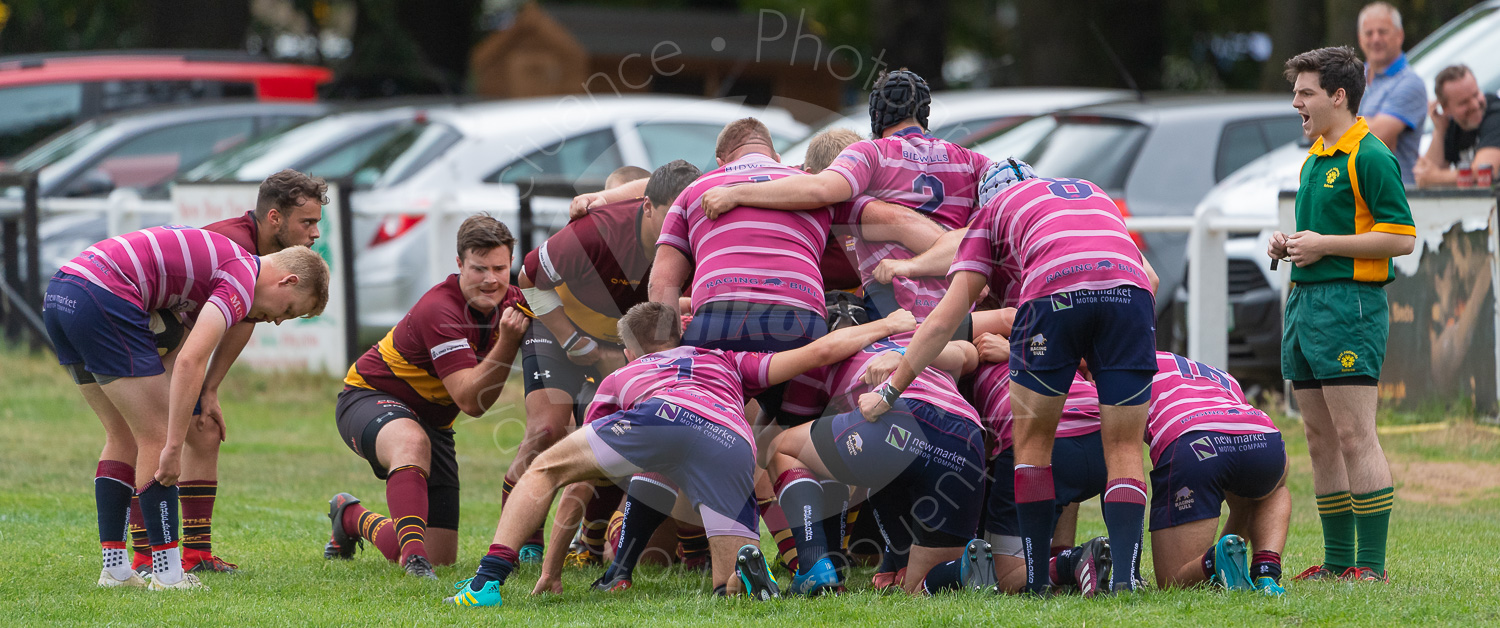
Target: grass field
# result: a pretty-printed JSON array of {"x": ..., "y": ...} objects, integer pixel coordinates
[{"x": 283, "y": 460}]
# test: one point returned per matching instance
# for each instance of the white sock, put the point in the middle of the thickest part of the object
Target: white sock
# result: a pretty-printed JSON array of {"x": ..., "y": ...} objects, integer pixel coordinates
[
  {"x": 117, "y": 563},
  {"x": 166, "y": 565}
]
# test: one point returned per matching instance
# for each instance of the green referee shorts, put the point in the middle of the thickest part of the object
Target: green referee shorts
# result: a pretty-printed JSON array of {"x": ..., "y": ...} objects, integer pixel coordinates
[{"x": 1334, "y": 329}]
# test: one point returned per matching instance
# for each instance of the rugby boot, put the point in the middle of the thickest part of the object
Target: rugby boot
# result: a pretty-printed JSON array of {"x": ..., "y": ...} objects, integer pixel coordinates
[
  {"x": 1363, "y": 574},
  {"x": 1269, "y": 587},
  {"x": 188, "y": 582},
  {"x": 108, "y": 581},
  {"x": 976, "y": 567},
  {"x": 418, "y": 565},
  {"x": 341, "y": 545},
  {"x": 1093, "y": 567},
  {"x": 1317, "y": 572},
  {"x": 755, "y": 574},
  {"x": 1231, "y": 570},
  {"x": 613, "y": 584},
  {"x": 819, "y": 579},
  {"x": 489, "y": 595}
]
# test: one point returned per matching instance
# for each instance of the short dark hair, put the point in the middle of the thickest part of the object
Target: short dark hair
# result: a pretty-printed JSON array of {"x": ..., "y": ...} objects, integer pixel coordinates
[
  {"x": 481, "y": 232},
  {"x": 668, "y": 182},
  {"x": 1448, "y": 75},
  {"x": 287, "y": 189},
  {"x": 650, "y": 327},
  {"x": 1337, "y": 67},
  {"x": 739, "y": 133}
]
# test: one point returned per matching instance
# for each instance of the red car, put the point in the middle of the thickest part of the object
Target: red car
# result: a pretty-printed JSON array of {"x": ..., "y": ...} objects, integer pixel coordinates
[{"x": 41, "y": 94}]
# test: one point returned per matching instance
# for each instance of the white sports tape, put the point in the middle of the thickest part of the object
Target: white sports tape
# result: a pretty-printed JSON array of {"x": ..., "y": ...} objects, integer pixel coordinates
[{"x": 541, "y": 301}]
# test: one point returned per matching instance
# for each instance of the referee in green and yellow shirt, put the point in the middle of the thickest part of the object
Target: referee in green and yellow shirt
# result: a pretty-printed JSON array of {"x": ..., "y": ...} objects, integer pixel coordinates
[{"x": 1352, "y": 218}]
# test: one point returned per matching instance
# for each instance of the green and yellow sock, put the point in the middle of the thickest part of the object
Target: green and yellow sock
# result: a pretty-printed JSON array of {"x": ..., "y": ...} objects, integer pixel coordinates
[
  {"x": 1337, "y": 512},
  {"x": 1372, "y": 518}
]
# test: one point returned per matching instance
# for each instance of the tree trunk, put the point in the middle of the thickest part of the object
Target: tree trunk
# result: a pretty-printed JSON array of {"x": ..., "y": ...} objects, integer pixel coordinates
[
  {"x": 1296, "y": 27},
  {"x": 202, "y": 24},
  {"x": 914, "y": 35}
]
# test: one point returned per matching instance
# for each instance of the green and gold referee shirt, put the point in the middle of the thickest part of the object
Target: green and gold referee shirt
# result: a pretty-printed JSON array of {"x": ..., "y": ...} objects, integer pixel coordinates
[{"x": 1350, "y": 188}]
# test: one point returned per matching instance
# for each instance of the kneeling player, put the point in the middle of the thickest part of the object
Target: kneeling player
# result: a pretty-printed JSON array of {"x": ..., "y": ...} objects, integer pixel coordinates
[
  {"x": 923, "y": 463},
  {"x": 1208, "y": 446},
  {"x": 452, "y": 352},
  {"x": 675, "y": 410}
]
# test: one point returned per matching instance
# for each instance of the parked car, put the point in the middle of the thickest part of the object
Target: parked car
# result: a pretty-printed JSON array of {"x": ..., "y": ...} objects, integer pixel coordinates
[
  {"x": 482, "y": 157},
  {"x": 108, "y": 164},
  {"x": 1472, "y": 38},
  {"x": 963, "y": 117},
  {"x": 45, "y": 93},
  {"x": 1155, "y": 158}
]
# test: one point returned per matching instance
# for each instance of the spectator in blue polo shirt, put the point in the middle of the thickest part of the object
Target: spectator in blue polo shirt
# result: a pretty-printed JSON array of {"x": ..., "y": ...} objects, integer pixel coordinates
[{"x": 1395, "y": 102}]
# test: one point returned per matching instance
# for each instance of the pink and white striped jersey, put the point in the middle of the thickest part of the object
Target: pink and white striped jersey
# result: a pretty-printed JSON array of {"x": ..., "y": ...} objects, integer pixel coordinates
[
  {"x": 935, "y": 177},
  {"x": 1188, "y": 396},
  {"x": 918, "y": 295},
  {"x": 173, "y": 267},
  {"x": 713, "y": 384},
  {"x": 1048, "y": 236},
  {"x": 992, "y": 397},
  {"x": 836, "y": 389},
  {"x": 750, "y": 254}
]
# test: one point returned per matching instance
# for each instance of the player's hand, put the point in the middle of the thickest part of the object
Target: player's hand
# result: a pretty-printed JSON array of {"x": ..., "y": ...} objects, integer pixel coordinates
[
  {"x": 1438, "y": 117},
  {"x": 169, "y": 466},
  {"x": 899, "y": 322},
  {"x": 548, "y": 583},
  {"x": 1306, "y": 248},
  {"x": 889, "y": 269},
  {"x": 993, "y": 348},
  {"x": 583, "y": 203},
  {"x": 881, "y": 367},
  {"x": 1276, "y": 248},
  {"x": 211, "y": 414},
  {"x": 610, "y": 360},
  {"x": 513, "y": 324},
  {"x": 717, "y": 201},
  {"x": 872, "y": 406}
]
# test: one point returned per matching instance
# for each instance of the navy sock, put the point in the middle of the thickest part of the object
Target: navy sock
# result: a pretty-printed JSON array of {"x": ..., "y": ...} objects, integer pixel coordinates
[
  {"x": 159, "y": 508},
  {"x": 898, "y": 540},
  {"x": 495, "y": 565},
  {"x": 943, "y": 577},
  {"x": 1266, "y": 564},
  {"x": 114, "y": 485},
  {"x": 801, "y": 497},
  {"x": 639, "y": 523},
  {"x": 1034, "y": 513},
  {"x": 1125, "y": 518},
  {"x": 1062, "y": 568},
  {"x": 835, "y": 507},
  {"x": 1207, "y": 563}
]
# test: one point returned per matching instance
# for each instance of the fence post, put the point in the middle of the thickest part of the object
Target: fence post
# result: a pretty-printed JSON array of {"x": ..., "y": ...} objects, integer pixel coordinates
[
  {"x": 347, "y": 255},
  {"x": 10, "y": 241},
  {"x": 1208, "y": 275}
]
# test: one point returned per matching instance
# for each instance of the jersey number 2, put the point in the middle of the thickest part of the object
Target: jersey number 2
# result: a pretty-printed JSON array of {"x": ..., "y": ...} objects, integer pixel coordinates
[{"x": 927, "y": 184}]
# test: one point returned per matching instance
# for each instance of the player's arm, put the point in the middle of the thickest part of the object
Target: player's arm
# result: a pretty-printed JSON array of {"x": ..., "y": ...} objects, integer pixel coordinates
[
  {"x": 473, "y": 389},
  {"x": 584, "y": 202},
  {"x": 565, "y": 523},
  {"x": 1387, "y": 127},
  {"x": 837, "y": 346},
  {"x": 933, "y": 262},
  {"x": 1307, "y": 247},
  {"x": 957, "y": 359},
  {"x": 186, "y": 384},
  {"x": 669, "y": 271},
  {"x": 931, "y": 337},
  {"x": 791, "y": 193},
  {"x": 1150, "y": 274},
  {"x": 234, "y": 342},
  {"x": 547, "y": 307},
  {"x": 880, "y": 221}
]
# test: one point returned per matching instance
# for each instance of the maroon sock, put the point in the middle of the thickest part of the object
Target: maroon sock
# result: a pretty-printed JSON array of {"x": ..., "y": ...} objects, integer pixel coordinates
[
  {"x": 373, "y": 527},
  {"x": 596, "y": 516},
  {"x": 776, "y": 524},
  {"x": 197, "y": 513},
  {"x": 694, "y": 542},
  {"x": 406, "y": 493},
  {"x": 138, "y": 541}
]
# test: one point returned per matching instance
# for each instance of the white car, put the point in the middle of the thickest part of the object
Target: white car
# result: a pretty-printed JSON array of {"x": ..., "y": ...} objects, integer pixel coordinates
[
  {"x": 484, "y": 157},
  {"x": 970, "y": 116}
]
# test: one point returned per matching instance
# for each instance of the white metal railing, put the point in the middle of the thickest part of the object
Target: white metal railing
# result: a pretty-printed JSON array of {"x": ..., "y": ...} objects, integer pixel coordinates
[{"x": 1208, "y": 275}]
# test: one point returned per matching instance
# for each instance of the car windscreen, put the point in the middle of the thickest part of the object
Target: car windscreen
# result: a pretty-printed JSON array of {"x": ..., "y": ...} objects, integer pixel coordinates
[
  {"x": 34, "y": 112},
  {"x": 1469, "y": 39},
  {"x": 406, "y": 153},
  {"x": 62, "y": 146},
  {"x": 1095, "y": 148}
]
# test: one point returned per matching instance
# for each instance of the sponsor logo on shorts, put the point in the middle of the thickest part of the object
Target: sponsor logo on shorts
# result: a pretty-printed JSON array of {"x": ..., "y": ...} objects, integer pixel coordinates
[
  {"x": 898, "y": 437},
  {"x": 1184, "y": 499},
  {"x": 547, "y": 374},
  {"x": 1038, "y": 345},
  {"x": 1347, "y": 360},
  {"x": 620, "y": 427},
  {"x": 1062, "y": 302},
  {"x": 1203, "y": 448},
  {"x": 855, "y": 444},
  {"x": 448, "y": 347},
  {"x": 1330, "y": 176},
  {"x": 668, "y": 412},
  {"x": 57, "y": 301}
]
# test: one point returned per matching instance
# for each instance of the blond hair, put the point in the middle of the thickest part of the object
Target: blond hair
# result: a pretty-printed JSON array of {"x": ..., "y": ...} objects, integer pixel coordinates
[
  {"x": 311, "y": 271},
  {"x": 824, "y": 148},
  {"x": 650, "y": 327}
]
